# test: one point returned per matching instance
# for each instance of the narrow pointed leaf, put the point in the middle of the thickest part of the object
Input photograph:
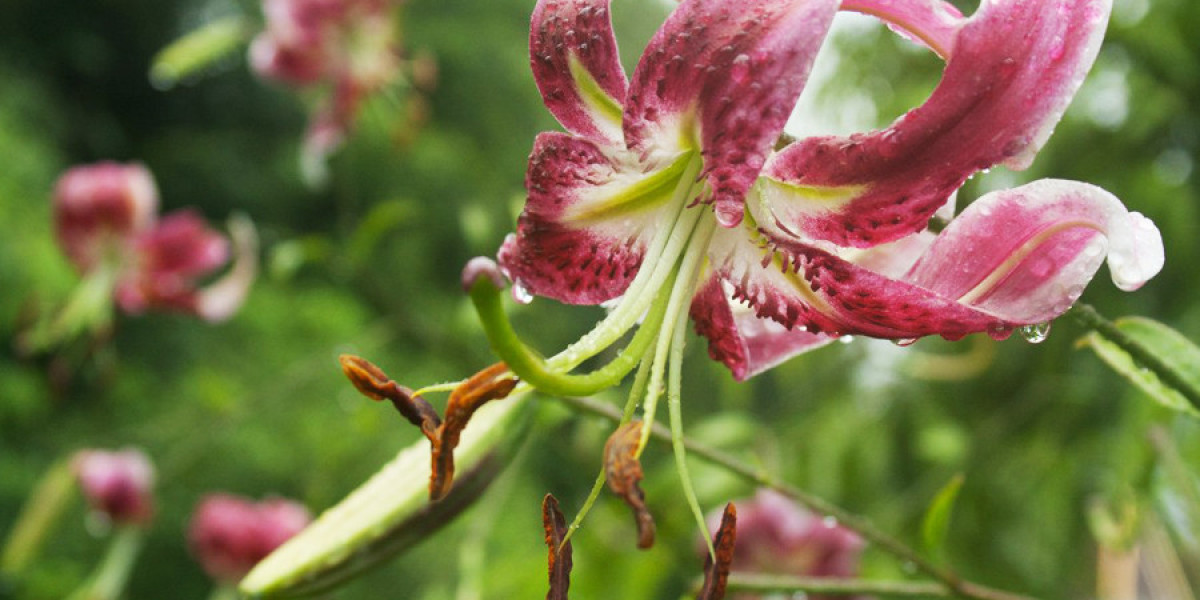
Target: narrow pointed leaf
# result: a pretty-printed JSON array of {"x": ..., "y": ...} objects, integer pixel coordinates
[
  {"x": 391, "y": 512},
  {"x": 1168, "y": 346},
  {"x": 198, "y": 50},
  {"x": 937, "y": 517}
]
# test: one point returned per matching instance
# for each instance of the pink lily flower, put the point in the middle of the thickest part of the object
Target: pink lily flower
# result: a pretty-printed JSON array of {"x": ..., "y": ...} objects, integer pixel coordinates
[
  {"x": 667, "y": 185},
  {"x": 106, "y": 222},
  {"x": 230, "y": 534},
  {"x": 349, "y": 46}
]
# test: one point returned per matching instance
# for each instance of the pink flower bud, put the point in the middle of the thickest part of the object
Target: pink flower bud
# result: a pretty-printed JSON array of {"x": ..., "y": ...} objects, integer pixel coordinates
[
  {"x": 777, "y": 536},
  {"x": 98, "y": 208},
  {"x": 230, "y": 534},
  {"x": 117, "y": 484}
]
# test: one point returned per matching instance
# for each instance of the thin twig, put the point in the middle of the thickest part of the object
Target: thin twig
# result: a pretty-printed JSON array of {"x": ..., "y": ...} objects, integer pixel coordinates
[
  {"x": 1092, "y": 319},
  {"x": 834, "y": 586},
  {"x": 952, "y": 582}
]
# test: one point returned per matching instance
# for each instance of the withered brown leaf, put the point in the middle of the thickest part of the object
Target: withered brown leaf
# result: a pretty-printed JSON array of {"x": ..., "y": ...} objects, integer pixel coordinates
[
  {"x": 560, "y": 554},
  {"x": 716, "y": 573},
  {"x": 623, "y": 472},
  {"x": 492, "y": 383},
  {"x": 373, "y": 383}
]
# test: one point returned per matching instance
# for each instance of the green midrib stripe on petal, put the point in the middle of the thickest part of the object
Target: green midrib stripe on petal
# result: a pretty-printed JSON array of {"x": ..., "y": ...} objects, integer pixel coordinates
[
  {"x": 653, "y": 190},
  {"x": 597, "y": 100},
  {"x": 823, "y": 195}
]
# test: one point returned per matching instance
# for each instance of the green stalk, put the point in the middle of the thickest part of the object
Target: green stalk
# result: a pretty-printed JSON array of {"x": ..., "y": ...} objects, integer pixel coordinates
[
  {"x": 533, "y": 369},
  {"x": 108, "y": 581},
  {"x": 37, "y": 519}
]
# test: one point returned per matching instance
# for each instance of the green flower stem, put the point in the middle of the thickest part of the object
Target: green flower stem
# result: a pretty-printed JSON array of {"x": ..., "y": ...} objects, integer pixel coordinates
[
  {"x": 89, "y": 308},
  {"x": 947, "y": 578},
  {"x": 38, "y": 517},
  {"x": 107, "y": 582},
  {"x": 782, "y": 584},
  {"x": 1088, "y": 315},
  {"x": 532, "y": 368}
]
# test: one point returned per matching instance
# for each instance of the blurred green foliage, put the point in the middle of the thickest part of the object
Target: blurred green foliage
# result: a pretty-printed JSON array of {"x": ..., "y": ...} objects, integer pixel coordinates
[{"x": 370, "y": 264}]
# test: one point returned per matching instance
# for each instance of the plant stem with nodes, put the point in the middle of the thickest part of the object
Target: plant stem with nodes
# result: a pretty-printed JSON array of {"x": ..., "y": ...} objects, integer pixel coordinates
[{"x": 950, "y": 582}]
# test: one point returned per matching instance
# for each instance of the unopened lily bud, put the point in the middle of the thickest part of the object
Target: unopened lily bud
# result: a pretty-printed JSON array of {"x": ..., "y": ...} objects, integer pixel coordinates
[
  {"x": 118, "y": 484},
  {"x": 230, "y": 534},
  {"x": 482, "y": 266},
  {"x": 99, "y": 207},
  {"x": 777, "y": 536}
]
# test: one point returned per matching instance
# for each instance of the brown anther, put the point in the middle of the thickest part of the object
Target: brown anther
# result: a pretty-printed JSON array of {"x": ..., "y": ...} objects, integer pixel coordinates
[
  {"x": 623, "y": 472},
  {"x": 492, "y": 383},
  {"x": 560, "y": 554},
  {"x": 716, "y": 573},
  {"x": 373, "y": 383}
]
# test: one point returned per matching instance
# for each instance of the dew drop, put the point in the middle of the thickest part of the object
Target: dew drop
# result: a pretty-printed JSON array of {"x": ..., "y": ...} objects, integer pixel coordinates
[
  {"x": 829, "y": 522},
  {"x": 903, "y": 342},
  {"x": 999, "y": 331},
  {"x": 846, "y": 339},
  {"x": 1036, "y": 333},
  {"x": 740, "y": 71},
  {"x": 520, "y": 294}
]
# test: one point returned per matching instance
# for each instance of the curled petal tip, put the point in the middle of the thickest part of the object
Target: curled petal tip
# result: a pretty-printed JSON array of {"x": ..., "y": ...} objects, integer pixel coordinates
[
  {"x": 482, "y": 266},
  {"x": 1133, "y": 264}
]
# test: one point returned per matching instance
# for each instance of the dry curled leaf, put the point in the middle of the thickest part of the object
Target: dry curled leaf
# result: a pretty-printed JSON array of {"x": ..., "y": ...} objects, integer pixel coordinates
[
  {"x": 716, "y": 573},
  {"x": 373, "y": 383},
  {"x": 492, "y": 383},
  {"x": 623, "y": 472},
  {"x": 560, "y": 553}
]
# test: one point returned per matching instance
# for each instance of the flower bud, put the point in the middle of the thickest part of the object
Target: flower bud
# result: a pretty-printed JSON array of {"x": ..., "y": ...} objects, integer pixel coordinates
[
  {"x": 98, "y": 208},
  {"x": 230, "y": 534},
  {"x": 117, "y": 484}
]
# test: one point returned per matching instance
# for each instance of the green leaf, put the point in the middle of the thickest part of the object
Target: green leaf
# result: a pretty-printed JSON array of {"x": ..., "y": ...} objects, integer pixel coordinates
[
  {"x": 937, "y": 517},
  {"x": 198, "y": 50},
  {"x": 391, "y": 512},
  {"x": 1168, "y": 346}
]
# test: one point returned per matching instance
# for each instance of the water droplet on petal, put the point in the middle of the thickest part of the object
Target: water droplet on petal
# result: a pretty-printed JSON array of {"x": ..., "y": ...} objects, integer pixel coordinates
[
  {"x": 999, "y": 331},
  {"x": 1036, "y": 333},
  {"x": 520, "y": 293},
  {"x": 902, "y": 342},
  {"x": 740, "y": 71},
  {"x": 846, "y": 339},
  {"x": 728, "y": 216},
  {"x": 829, "y": 522}
]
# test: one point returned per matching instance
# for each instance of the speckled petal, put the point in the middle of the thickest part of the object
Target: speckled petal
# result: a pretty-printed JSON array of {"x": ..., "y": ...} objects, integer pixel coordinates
[
  {"x": 1027, "y": 253},
  {"x": 724, "y": 75},
  {"x": 586, "y": 222},
  {"x": 1014, "y": 68},
  {"x": 740, "y": 340},
  {"x": 575, "y": 63},
  {"x": 1013, "y": 258}
]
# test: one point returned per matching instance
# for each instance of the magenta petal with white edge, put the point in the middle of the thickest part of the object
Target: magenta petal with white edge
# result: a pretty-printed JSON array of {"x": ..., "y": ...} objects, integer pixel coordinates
[
  {"x": 745, "y": 343},
  {"x": 724, "y": 75},
  {"x": 221, "y": 299},
  {"x": 1014, "y": 68},
  {"x": 586, "y": 222},
  {"x": 575, "y": 63},
  {"x": 1026, "y": 254}
]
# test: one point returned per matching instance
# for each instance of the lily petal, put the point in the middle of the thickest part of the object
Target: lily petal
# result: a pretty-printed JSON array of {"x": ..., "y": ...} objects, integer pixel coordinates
[
  {"x": 745, "y": 343},
  {"x": 587, "y": 221},
  {"x": 222, "y": 298},
  {"x": 170, "y": 256},
  {"x": 1013, "y": 258},
  {"x": 1056, "y": 234},
  {"x": 574, "y": 57},
  {"x": 724, "y": 75},
  {"x": 1014, "y": 68},
  {"x": 932, "y": 23}
]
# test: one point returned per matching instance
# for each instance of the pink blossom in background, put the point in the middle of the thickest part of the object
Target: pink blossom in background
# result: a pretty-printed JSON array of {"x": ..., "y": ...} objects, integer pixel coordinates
[
  {"x": 107, "y": 224},
  {"x": 117, "y": 484},
  {"x": 229, "y": 534},
  {"x": 347, "y": 46},
  {"x": 776, "y": 536}
]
